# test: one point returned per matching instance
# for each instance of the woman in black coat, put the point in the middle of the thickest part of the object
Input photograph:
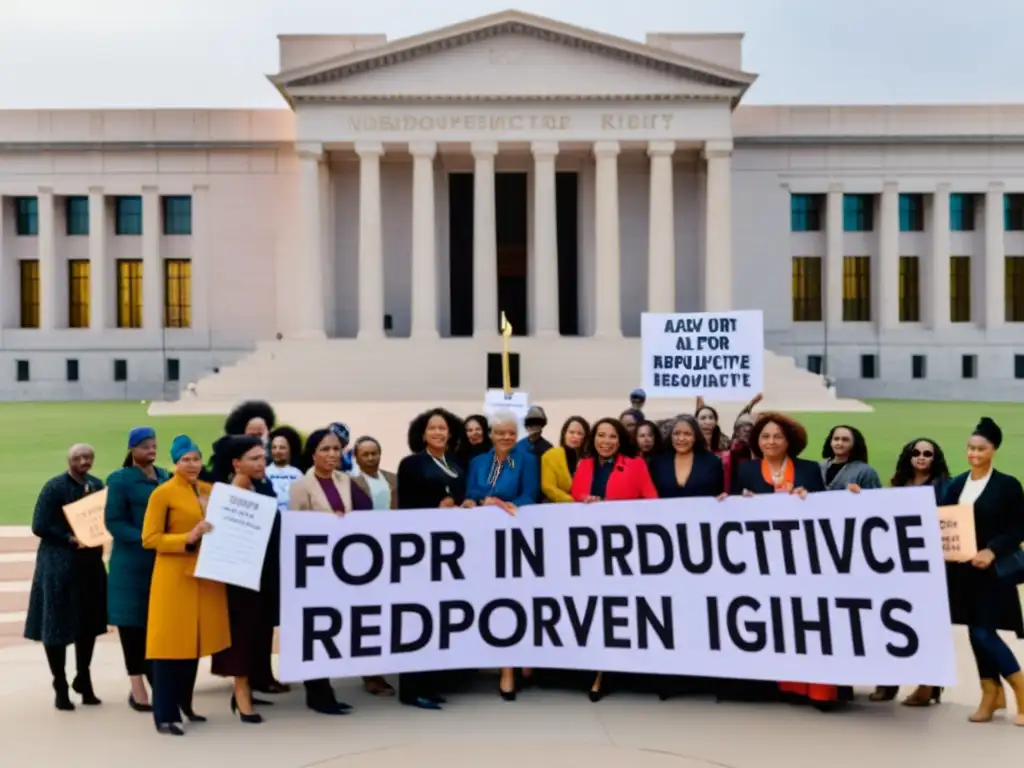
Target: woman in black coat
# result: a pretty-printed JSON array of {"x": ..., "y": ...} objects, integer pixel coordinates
[{"x": 983, "y": 592}]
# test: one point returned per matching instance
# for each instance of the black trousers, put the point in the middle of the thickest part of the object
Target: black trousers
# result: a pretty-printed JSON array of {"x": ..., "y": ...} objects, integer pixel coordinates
[
  {"x": 414, "y": 685},
  {"x": 262, "y": 674},
  {"x": 133, "y": 647},
  {"x": 56, "y": 658},
  {"x": 174, "y": 680}
]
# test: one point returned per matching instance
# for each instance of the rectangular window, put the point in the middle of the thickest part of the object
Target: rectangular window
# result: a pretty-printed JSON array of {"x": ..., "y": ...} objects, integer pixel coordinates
[
  {"x": 494, "y": 375},
  {"x": 858, "y": 213},
  {"x": 177, "y": 293},
  {"x": 918, "y": 367},
  {"x": 815, "y": 363},
  {"x": 120, "y": 370},
  {"x": 969, "y": 367},
  {"x": 128, "y": 215},
  {"x": 961, "y": 212},
  {"x": 1013, "y": 212},
  {"x": 960, "y": 289},
  {"x": 29, "y": 293},
  {"x": 78, "y": 293},
  {"x": 911, "y": 213},
  {"x": 868, "y": 366},
  {"x": 910, "y": 289},
  {"x": 806, "y": 289},
  {"x": 856, "y": 289},
  {"x": 173, "y": 371},
  {"x": 129, "y": 293},
  {"x": 71, "y": 370},
  {"x": 1018, "y": 366},
  {"x": 26, "y": 216},
  {"x": 177, "y": 211},
  {"x": 1015, "y": 289},
  {"x": 22, "y": 371},
  {"x": 805, "y": 212},
  {"x": 76, "y": 212}
]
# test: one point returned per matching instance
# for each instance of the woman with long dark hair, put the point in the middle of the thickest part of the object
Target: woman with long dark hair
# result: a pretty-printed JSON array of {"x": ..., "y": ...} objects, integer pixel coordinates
[
  {"x": 845, "y": 460},
  {"x": 474, "y": 439},
  {"x": 648, "y": 440},
  {"x": 689, "y": 469},
  {"x": 558, "y": 465}
]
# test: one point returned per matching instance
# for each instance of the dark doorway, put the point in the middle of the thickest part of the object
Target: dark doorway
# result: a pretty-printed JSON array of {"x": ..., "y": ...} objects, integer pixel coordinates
[
  {"x": 511, "y": 220},
  {"x": 460, "y": 252},
  {"x": 495, "y": 379},
  {"x": 567, "y": 212}
]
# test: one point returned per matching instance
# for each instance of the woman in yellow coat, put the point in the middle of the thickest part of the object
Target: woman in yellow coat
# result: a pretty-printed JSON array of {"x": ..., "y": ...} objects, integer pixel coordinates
[
  {"x": 188, "y": 617},
  {"x": 558, "y": 464}
]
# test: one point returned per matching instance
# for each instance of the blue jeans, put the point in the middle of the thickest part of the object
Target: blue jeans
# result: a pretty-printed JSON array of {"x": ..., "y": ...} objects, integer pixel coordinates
[{"x": 993, "y": 656}]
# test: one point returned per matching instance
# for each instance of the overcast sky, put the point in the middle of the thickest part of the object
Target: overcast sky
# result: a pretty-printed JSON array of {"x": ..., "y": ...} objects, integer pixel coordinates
[{"x": 215, "y": 53}]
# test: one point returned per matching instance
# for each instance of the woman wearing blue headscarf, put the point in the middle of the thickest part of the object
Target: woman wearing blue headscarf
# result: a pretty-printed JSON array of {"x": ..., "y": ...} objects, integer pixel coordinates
[{"x": 131, "y": 567}]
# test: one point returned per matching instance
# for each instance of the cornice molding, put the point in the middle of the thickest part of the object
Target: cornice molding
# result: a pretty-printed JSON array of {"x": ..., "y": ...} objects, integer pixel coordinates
[
  {"x": 138, "y": 146},
  {"x": 754, "y": 141},
  {"x": 517, "y": 98}
]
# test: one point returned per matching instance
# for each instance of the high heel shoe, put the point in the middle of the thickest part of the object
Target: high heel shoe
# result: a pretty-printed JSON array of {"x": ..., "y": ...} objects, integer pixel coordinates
[
  {"x": 884, "y": 693},
  {"x": 191, "y": 716},
  {"x": 138, "y": 707},
  {"x": 253, "y": 718},
  {"x": 917, "y": 699},
  {"x": 169, "y": 729},
  {"x": 507, "y": 695}
]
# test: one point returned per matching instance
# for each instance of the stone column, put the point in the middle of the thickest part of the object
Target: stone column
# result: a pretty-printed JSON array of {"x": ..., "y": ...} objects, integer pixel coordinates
[
  {"x": 661, "y": 225},
  {"x": 200, "y": 267},
  {"x": 995, "y": 257},
  {"x": 718, "y": 227},
  {"x": 371, "y": 254},
  {"x": 46, "y": 243},
  {"x": 608, "y": 316},
  {"x": 833, "y": 272},
  {"x": 99, "y": 265},
  {"x": 310, "y": 303},
  {"x": 424, "y": 242},
  {"x": 939, "y": 268},
  {"x": 886, "y": 278},
  {"x": 545, "y": 238},
  {"x": 152, "y": 263},
  {"x": 485, "y": 245}
]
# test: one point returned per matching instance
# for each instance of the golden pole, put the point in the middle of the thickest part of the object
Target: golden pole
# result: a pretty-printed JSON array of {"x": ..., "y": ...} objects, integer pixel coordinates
[{"x": 506, "y": 333}]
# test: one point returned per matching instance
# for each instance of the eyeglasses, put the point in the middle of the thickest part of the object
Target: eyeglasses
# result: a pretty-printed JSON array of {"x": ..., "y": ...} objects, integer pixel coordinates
[{"x": 918, "y": 454}]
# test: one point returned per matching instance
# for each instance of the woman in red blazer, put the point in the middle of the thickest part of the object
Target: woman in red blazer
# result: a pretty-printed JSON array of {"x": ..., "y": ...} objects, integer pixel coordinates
[{"x": 610, "y": 471}]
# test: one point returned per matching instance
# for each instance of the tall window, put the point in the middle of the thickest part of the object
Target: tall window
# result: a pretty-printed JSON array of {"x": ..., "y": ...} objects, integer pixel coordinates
[
  {"x": 76, "y": 212},
  {"x": 129, "y": 293},
  {"x": 1015, "y": 289},
  {"x": 78, "y": 293},
  {"x": 857, "y": 289},
  {"x": 177, "y": 293},
  {"x": 858, "y": 213},
  {"x": 911, "y": 213},
  {"x": 29, "y": 293},
  {"x": 806, "y": 289},
  {"x": 177, "y": 211},
  {"x": 805, "y": 212},
  {"x": 961, "y": 212},
  {"x": 26, "y": 215},
  {"x": 960, "y": 289},
  {"x": 128, "y": 215},
  {"x": 1013, "y": 212},
  {"x": 910, "y": 289}
]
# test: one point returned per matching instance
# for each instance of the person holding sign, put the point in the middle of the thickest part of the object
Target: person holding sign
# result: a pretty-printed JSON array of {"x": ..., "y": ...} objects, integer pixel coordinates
[
  {"x": 690, "y": 469},
  {"x": 982, "y": 592},
  {"x": 68, "y": 600},
  {"x": 188, "y": 617}
]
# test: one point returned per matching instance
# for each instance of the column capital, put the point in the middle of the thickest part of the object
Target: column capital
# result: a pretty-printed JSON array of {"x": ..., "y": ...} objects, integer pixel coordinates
[
  {"x": 369, "y": 149},
  {"x": 661, "y": 148},
  {"x": 427, "y": 149},
  {"x": 891, "y": 187},
  {"x": 544, "y": 149},
  {"x": 45, "y": 190},
  {"x": 996, "y": 186},
  {"x": 716, "y": 150},
  {"x": 606, "y": 149},
  {"x": 310, "y": 150},
  {"x": 835, "y": 188},
  {"x": 483, "y": 150},
  {"x": 94, "y": 190},
  {"x": 149, "y": 190},
  {"x": 200, "y": 188},
  {"x": 943, "y": 187}
]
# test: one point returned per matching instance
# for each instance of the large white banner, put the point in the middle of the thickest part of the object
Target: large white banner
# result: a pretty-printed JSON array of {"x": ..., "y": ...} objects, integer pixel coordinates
[{"x": 838, "y": 588}]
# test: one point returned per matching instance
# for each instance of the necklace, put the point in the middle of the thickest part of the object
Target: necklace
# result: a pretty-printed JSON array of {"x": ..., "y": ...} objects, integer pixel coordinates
[
  {"x": 778, "y": 477},
  {"x": 444, "y": 466}
]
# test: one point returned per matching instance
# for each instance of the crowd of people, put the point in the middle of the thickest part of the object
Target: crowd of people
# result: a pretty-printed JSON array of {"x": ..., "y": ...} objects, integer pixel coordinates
[{"x": 167, "y": 620}]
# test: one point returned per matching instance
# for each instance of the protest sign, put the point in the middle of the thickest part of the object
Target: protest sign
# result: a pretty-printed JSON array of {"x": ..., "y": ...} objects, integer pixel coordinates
[
  {"x": 716, "y": 355},
  {"x": 517, "y": 403},
  {"x": 838, "y": 588},
  {"x": 233, "y": 551},
  {"x": 959, "y": 540},
  {"x": 87, "y": 519}
]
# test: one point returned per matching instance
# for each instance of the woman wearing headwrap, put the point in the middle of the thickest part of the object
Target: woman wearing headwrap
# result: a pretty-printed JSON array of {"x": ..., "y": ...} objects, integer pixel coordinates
[
  {"x": 188, "y": 617},
  {"x": 242, "y": 462},
  {"x": 982, "y": 592},
  {"x": 131, "y": 567}
]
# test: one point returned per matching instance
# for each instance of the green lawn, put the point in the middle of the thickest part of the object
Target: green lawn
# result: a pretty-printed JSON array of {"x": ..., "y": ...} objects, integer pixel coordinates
[{"x": 37, "y": 435}]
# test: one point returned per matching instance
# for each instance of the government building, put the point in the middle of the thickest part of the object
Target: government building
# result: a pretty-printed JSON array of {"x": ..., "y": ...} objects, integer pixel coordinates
[{"x": 361, "y": 242}]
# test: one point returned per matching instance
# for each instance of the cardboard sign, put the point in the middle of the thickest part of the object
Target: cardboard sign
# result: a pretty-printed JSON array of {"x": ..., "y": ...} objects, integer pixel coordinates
[
  {"x": 85, "y": 517},
  {"x": 959, "y": 542}
]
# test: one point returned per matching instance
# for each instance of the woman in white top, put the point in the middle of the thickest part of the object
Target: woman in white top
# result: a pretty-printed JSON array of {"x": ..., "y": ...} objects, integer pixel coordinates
[
  {"x": 285, "y": 452},
  {"x": 379, "y": 485}
]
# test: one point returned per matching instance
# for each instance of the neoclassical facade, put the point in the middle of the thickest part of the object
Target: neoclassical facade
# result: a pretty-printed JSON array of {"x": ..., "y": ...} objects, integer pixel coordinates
[{"x": 413, "y": 190}]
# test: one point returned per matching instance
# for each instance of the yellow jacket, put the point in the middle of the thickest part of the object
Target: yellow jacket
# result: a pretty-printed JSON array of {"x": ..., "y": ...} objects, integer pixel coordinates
[
  {"x": 188, "y": 617},
  {"x": 555, "y": 480}
]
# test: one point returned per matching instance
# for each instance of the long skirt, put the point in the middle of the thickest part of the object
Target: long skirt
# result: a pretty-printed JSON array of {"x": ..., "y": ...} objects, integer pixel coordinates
[{"x": 247, "y": 618}]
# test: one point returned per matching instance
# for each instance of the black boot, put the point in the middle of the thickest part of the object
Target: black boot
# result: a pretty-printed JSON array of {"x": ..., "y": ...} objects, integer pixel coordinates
[
  {"x": 61, "y": 699},
  {"x": 82, "y": 685}
]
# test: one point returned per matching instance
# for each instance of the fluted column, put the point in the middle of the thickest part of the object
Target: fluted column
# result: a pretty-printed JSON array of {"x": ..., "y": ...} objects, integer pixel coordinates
[
  {"x": 939, "y": 268},
  {"x": 995, "y": 257},
  {"x": 310, "y": 307},
  {"x": 834, "y": 235},
  {"x": 371, "y": 253},
  {"x": 485, "y": 244},
  {"x": 99, "y": 271},
  {"x": 887, "y": 277},
  {"x": 152, "y": 264},
  {"x": 661, "y": 235},
  {"x": 545, "y": 238},
  {"x": 46, "y": 243},
  {"x": 424, "y": 241},
  {"x": 718, "y": 227},
  {"x": 608, "y": 317}
]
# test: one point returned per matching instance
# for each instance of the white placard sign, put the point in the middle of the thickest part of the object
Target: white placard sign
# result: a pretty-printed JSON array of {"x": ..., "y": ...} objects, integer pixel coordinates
[
  {"x": 234, "y": 550},
  {"x": 716, "y": 355},
  {"x": 518, "y": 403},
  {"x": 839, "y": 588}
]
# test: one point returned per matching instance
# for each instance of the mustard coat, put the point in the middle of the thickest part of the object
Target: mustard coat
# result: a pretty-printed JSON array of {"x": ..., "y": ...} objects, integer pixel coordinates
[
  {"x": 555, "y": 480},
  {"x": 188, "y": 617}
]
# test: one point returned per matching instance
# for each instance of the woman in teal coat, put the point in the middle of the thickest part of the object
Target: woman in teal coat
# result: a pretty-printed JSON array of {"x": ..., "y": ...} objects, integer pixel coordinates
[{"x": 131, "y": 566}]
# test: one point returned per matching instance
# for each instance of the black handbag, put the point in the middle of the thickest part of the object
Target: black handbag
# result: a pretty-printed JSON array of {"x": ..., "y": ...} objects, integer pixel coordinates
[{"x": 1010, "y": 567}]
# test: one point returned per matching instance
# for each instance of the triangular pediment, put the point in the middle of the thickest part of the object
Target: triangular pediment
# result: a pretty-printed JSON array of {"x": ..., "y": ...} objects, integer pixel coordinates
[{"x": 512, "y": 55}]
